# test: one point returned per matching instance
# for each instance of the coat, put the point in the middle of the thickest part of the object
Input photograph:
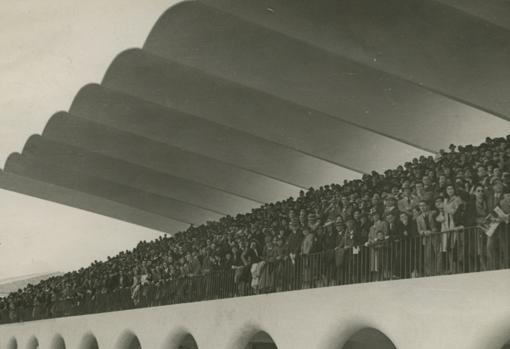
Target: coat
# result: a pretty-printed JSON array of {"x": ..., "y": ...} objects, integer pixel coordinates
[
  {"x": 426, "y": 223},
  {"x": 308, "y": 244}
]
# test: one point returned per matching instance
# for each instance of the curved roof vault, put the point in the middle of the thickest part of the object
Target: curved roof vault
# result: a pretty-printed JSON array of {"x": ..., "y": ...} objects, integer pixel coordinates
[{"x": 234, "y": 103}]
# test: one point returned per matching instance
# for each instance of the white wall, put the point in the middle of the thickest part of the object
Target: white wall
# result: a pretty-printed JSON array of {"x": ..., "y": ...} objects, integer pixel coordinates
[{"x": 469, "y": 311}]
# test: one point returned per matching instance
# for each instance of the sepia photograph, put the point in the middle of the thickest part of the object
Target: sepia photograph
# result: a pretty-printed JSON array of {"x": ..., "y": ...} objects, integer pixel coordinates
[{"x": 255, "y": 174}]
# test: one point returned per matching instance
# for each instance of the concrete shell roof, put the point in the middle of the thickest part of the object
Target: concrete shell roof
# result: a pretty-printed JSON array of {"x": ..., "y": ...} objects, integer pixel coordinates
[{"x": 234, "y": 103}]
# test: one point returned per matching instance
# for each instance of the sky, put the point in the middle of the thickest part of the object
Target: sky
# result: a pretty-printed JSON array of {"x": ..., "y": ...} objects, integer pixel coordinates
[{"x": 49, "y": 49}]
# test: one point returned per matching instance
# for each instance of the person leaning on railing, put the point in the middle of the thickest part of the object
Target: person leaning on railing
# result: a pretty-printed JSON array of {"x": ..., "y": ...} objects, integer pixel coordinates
[
  {"x": 13, "y": 308},
  {"x": 377, "y": 236},
  {"x": 504, "y": 240},
  {"x": 398, "y": 237},
  {"x": 240, "y": 271},
  {"x": 454, "y": 218},
  {"x": 481, "y": 212},
  {"x": 427, "y": 227},
  {"x": 494, "y": 196},
  {"x": 409, "y": 233},
  {"x": 252, "y": 261},
  {"x": 4, "y": 311},
  {"x": 339, "y": 250},
  {"x": 306, "y": 249},
  {"x": 269, "y": 254},
  {"x": 326, "y": 241},
  {"x": 348, "y": 238},
  {"x": 281, "y": 262}
]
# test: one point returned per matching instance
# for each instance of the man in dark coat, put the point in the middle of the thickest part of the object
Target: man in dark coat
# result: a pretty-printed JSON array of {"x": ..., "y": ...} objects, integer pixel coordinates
[
  {"x": 428, "y": 228},
  {"x": 494, "y": 197}
]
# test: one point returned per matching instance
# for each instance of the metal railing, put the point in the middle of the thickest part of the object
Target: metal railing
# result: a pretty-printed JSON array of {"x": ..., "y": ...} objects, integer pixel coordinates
[{"x": 457, "y": 251}]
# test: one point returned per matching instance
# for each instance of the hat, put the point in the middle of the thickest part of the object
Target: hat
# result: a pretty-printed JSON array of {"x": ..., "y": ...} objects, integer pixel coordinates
[
  {"x": 339, "y": 219},
  {"x": 494, "y": 180},
  {"x": 328, "y": 223},
  {"x": 293, "y": 225}
]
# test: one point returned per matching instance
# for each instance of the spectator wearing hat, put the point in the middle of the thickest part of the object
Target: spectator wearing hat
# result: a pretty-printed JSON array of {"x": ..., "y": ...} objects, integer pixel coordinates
[
  {"x": 341, "y": 246},
  {"x": 494, "y": 197},
  {"x": 421, "y": 194},
  {"x": 294, "y": 244},
  {"x": 314, "y": 225},
  {"x": 427, "y": 229},
  {"x": 396, "y": 239},
  {"x": 453, "y": 213},
  {"x": 251, "y": 259},
  {"x": 266, "y": 266},
  {"x": 495, "y": 193},
  {"x": 294, "y": 241},
  {"x": 406, "y": 203},
  {"x": 328, "y": 239},
  {"x": 327, "y": 244},
  {"x": 429, "y": 189},
  {"x": 445, "y": 237},
  {"x": 481, "y": 214},
  {"x": 308, "y": 264},
  {"x": 504, "y": 241},
  {"x": 411, "y": 244},
  {"x": 377, "y": 203},
  {"x": 280, "y": 265},
  {"x": 442, "y": 182},
  {"x": 377, "y": 235},
  {"x": 390, "y": 206},
  {"x": 482, "y": 176},
  {"x": 352, "y": 250}
]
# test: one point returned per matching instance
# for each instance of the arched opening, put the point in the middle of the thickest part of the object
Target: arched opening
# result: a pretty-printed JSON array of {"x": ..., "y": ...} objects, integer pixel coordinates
[
  {"x": 12, "y": 343},
  {"x": 89, "y": 341},
  {"x": 180, "y": 338},
  {"x": 58, "y": 342},
  {"x": 368, "y": 338},
  {"x": 33, "y": 343},
  {"x": 187, "y": 342},
  {"x": 261, "y": 340},
  {"x": 129, "y": 340}
]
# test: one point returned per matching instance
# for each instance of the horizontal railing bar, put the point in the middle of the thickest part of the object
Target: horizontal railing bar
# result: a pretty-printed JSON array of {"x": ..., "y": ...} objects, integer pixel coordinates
[{"x": 440, "y": 253}]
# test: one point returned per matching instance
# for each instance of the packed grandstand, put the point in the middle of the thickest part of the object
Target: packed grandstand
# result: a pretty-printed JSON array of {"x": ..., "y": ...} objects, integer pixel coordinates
[{"x": 430, "y": 216}]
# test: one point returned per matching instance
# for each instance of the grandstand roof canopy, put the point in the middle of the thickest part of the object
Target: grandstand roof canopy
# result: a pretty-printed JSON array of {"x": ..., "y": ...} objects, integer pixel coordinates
[{"x": 234, "y": 103}]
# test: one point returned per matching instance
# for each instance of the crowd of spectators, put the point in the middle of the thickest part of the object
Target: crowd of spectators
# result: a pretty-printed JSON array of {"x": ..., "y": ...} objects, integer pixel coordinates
[{"x": 428, "y": 196}]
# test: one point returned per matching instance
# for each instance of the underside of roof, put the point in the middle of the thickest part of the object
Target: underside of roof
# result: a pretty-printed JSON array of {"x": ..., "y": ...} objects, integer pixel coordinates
[{"x": 235, "y": 103}]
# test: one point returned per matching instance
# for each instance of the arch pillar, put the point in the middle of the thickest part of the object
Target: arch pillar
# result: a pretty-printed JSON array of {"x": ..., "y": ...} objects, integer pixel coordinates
[
  {"x": 151, "y": 336},
  {"x": 87, "y": 340},
  {"x": 176, "y": 336},
  {"x": 58, "y": 342},
  {"x": 9, "y": 343},
  {"x": 34, "y": 341},
  {"x": 284, "y": 336},
  {"x": 490, "y": 331},
  {"x": 127, "y": 339},
  {"x": 106, "y": 339}
]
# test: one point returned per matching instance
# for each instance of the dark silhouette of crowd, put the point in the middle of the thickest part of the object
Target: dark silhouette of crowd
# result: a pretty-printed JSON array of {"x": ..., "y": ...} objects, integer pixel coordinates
[{"x": 418, "y": 209}]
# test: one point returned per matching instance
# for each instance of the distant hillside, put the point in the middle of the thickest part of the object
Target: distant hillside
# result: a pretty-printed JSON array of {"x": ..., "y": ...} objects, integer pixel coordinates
[{"x": 13, "y": 284}]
